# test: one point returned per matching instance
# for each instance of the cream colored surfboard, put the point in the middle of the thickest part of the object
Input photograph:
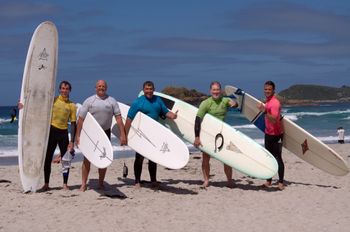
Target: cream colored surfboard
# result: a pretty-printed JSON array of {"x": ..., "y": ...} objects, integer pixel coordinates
[
  {"x": 37, "y": 95},
  {"x": 296, "y": 139},
  {"x": 220, "y": 140}
]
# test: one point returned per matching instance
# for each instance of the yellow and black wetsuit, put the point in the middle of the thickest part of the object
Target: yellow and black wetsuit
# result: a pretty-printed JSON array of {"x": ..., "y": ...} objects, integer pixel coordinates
[{"x": 63, "y": 111}]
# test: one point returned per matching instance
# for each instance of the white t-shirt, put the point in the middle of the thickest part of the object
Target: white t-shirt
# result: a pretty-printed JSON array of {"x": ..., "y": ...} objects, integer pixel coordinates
[
  {"x": 341, "y": 134},
  {"x": 103, "y": 110}
]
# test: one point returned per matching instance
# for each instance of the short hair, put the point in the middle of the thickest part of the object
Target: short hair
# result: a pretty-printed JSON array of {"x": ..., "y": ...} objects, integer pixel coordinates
[
  {"x": 66, "y": 83},
  {"x": 215, "y": 83},
  {"x": 148, "y": 83},
  {"x": 105, "y": 82},
  {"x": 271, "y": 84}
]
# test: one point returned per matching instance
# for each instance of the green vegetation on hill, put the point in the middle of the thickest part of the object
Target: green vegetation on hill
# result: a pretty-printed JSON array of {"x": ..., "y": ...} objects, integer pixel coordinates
[
  {"x": 299, "y": 94},
  {"x": 192, "y": 96}
]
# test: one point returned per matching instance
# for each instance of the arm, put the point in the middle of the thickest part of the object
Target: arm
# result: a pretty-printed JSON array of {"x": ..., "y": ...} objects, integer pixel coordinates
[
  {"x": 73, "y": 127},
  {"x": 197, "y": 129},
  {"x": 171, "y": 115},
  {"x": 272, "y": 116},
  {"x": 127, "y": 126},
  {"x": 233, "y": 104},
  {"x": 122, "y": 138},
  {"x": 203, "y": 109},
  {"x": 78, "y": 130},
  {"x": 19, "y": 105}
]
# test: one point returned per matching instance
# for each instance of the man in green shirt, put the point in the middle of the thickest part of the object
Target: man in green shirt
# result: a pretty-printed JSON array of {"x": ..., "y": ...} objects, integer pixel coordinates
[{"x": 216, "y": 105}]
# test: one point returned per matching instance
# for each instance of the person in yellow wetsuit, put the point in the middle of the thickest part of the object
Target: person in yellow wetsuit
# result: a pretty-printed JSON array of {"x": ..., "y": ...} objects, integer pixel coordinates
[{"x": 63, "y": 111}]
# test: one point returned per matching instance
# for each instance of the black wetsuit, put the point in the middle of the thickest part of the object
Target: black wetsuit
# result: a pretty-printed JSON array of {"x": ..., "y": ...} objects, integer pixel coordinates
[
  {"x": 273, "y": 143},
  {"x": 152, "y": 168},
  {"x": 60, "y": 137}
]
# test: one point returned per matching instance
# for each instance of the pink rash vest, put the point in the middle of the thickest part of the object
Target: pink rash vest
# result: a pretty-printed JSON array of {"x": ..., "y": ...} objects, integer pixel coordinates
[{"x": 273, "y": 107}]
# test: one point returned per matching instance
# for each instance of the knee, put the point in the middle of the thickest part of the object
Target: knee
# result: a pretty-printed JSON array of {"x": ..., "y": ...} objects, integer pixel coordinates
[
  {"x": 206, "y": 157},
  {"x": 86, "y": 164},
  {"x": 138, "y": 161},
  {"x": 152, "y": 164}
]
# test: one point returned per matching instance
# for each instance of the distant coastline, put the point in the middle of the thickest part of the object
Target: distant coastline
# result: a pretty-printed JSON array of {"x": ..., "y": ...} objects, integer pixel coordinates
[
  {"x": 312, "y": 102},
  {"x": 296, "y": 95}
]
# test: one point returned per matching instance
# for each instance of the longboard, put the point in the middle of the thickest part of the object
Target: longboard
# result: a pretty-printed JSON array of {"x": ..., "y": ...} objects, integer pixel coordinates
[
  {"x": 37, "y": 95},
  {"x": 153, "y": 141},
  {"x": 94, "y": 143},
  {"x": 220, "y": 140},
  {"x": 296, "y": 139}
]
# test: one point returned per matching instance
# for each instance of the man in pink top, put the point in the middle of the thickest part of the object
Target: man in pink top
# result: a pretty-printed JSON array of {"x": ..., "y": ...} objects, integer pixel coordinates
[{"x": 273, "y": 130}]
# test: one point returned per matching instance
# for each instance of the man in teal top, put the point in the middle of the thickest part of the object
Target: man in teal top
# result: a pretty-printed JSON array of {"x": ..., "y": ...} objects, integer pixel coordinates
[
  {"x": 217, "y": 106},
  {"x": 154, "y": 107}
]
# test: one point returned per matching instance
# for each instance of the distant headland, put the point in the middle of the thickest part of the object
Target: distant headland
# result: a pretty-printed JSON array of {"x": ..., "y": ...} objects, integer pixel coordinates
[
  {"x": 294, "y": 95},
  {"x": 314, "y": 95},
  {"x": 191, "y": 96}
]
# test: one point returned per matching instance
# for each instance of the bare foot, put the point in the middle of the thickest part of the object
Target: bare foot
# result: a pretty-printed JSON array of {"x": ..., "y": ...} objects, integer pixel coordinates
[
  {"x": 137, "y": 186},
  {"x": 281, "y": 186},
  {"x": 83, "y": 188},
  {"x": 65, "y": 187},
  {"x": 205, "y": 184},
  {"x": 45, "y": 188},
  {"x": 155, "y": 186},
  {"x": 230, "y": 184},
  {"x": 101, "y": 187},
  {"x": 266, "y": 184}
]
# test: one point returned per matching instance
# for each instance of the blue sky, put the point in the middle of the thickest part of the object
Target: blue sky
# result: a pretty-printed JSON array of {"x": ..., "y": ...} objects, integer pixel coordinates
[{"x": 180, "y": 43}]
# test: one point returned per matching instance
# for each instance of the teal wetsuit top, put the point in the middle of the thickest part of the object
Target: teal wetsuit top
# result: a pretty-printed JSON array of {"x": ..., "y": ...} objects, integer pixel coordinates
[{"x": 153, "y": 107}]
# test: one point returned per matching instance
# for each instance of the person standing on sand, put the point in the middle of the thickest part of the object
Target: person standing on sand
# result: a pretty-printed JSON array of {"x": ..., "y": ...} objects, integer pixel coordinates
[
  {"x": 341, "y": 135},
  {"x": 102, "y": 107},
  {"x": 63, "y": 111},
  {"x": 216, "y": 105},
  {"x": 154, "y": 107},
  {"x": 273, "y": 130}
]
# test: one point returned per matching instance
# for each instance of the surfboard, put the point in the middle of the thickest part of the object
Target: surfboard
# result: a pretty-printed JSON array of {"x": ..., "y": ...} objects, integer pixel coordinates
[
  {"x": 153, "y": 141},
  {"x": 220, "y": 140},
  {"x": 94, "y": 143},
  {"x": 296, "y": 139},
  {"x": 37, "y": 95}
]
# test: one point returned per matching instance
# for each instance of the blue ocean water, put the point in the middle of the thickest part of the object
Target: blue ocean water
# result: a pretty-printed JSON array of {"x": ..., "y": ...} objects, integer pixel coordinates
[
  {"x": 8, "y": 132},
  {"x": 321, "y": 121}
]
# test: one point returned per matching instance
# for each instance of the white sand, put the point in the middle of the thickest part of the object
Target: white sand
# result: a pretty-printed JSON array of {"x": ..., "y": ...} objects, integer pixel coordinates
[{"x": 312, "y": 201}]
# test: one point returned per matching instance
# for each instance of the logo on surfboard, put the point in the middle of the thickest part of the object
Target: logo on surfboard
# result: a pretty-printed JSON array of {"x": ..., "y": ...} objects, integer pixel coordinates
[
  {"x": 304, "y": 146},
  {"x": 43, "y": 55},
  {"x": 232, "y": 147},
  {"x": 165, "y": 147},
  {"x": 41, "y": 67}
]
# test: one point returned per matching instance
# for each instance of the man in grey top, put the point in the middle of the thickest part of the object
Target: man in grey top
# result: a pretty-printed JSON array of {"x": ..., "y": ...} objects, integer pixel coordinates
[{"x": 103, "y": 108}]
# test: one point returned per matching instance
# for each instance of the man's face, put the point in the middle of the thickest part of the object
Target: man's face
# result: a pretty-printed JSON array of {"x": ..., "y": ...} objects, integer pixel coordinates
[
  {"x": 215, "y": 91},
  {"x": 101, "y": 88},
  {"x": 148, "y": 91},
  {"x": 268, "y": 90},
  {"x": 64, "y": 90}
]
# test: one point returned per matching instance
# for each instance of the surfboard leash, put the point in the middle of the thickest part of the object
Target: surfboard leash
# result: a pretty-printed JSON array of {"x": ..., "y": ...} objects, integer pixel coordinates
[{"x": 240, "y": 92}]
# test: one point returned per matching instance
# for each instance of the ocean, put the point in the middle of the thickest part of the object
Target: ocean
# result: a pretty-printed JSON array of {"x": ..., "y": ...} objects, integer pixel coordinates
[{"x": 321, "y": 121}]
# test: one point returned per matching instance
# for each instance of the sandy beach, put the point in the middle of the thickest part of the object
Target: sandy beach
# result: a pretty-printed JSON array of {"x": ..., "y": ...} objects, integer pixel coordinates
[{"x": 312, "y": 201}]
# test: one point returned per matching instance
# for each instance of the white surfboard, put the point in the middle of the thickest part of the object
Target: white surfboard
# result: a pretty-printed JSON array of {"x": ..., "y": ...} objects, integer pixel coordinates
[
  {"x": 296, "y": 139},
  {"x": 220, "y": 140},
  {"x": 37, "y": 95},
  {"x": 94, "y": 143},
  {"x": 153, "y": 141}
]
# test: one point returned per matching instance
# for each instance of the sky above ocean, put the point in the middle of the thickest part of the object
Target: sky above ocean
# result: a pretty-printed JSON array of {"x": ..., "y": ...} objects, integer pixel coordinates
[{"x": 180, "y": 43}]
